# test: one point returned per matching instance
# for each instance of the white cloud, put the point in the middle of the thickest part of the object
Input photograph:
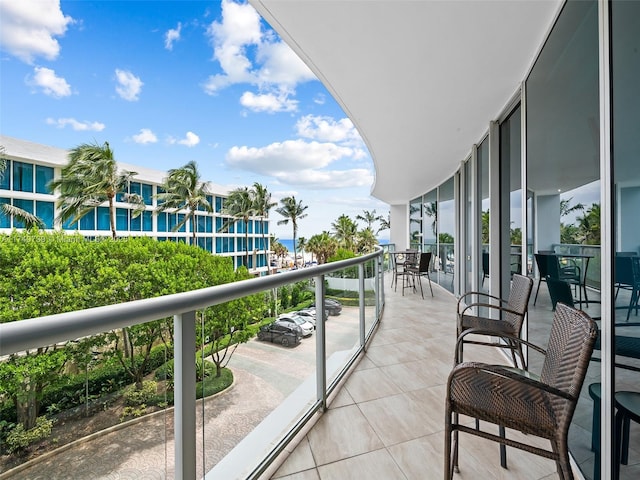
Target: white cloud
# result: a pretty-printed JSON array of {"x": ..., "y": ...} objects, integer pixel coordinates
[
  {"x": 171, "y": 36},
  {"x": 129, "y": 86},
  {"x": 300, "y": 163},
  {"x": 28, "y": 28},
  {"x": 51, "y": 85},
  {"x": 190, "y": 140},
  {"x": 145, "y": 136},
  {"x": 276, "y": 69},
  {"x": 76, "y": 125},
  {"x": 268, "y": 102},
  {"x": 326, "y": 129}
]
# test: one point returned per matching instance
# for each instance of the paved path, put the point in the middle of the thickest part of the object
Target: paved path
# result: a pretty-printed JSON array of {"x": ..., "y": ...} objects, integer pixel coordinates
[{"x": 144, "y": 451}]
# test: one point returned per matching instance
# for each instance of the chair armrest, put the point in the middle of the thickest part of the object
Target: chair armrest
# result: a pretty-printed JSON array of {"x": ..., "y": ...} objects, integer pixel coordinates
[
  {"x": 480, "y": 295},
  {"x": 489, "y": 305},
  {"x": 510, "y": 374},
  {"x": 492, "y": 333}
]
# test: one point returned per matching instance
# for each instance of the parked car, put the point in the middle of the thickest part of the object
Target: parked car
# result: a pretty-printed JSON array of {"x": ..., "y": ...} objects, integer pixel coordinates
[
  {"x": 331, "y": 306},
  {"x": 311, "y": 314},
  {"x": 285, "y": 333},
  {"x": 306, "y": 326}
]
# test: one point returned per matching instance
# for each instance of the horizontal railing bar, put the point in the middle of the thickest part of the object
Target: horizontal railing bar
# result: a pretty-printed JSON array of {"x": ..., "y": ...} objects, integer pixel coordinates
[{"x": 38, "y": 332}]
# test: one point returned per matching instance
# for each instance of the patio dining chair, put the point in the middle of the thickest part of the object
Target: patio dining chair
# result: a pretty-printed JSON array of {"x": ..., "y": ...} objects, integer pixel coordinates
[
  {"x": 549, "y": 266},
  {"x": 511, "y": 398},
  {"x": 476, "y": 315},
  {"x": 422, "y": 269}
]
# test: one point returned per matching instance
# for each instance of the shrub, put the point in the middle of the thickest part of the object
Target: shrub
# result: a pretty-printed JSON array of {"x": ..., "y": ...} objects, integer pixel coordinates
[
  {"x": 19, "y": 438},
  {"x": 134, "y": 397},
  {"x": 133, "y": 412}
]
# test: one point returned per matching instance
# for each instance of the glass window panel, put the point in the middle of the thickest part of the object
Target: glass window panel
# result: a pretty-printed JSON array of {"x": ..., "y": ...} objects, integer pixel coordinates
[
  {"x": 45, "y": 211},
  {"x": 88, "y": 222},
  {"x": 180, "y": 219},
  {"x": 43, "y": 176},
  {"x": 22, "y": 177},
  {"x": 136, "y": 223},
  {"x": 162, "y": 222},
  {"x": 5, "y": 221},
  {"x": 147, "y": 193},
  {"x": 5, "y": 177},
  {"x": 415, "y": 223},
  {"x": 209, "y": 225},
  {"x": 122, "y": 219},
  {"x": 147, "y": 221},
  {"x": 103, "y": 218},
  {"x": 445, "y": 215},
  {"x": 26, "y": 205},
  {"x": 563, "y": 172}
]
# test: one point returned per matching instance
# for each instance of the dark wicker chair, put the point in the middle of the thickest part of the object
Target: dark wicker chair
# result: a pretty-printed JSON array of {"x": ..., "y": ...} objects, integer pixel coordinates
[
  {"x": 422, "y": 269},
  {"x": 512, "y": 313},
  {"x": 512, "y": 398}
]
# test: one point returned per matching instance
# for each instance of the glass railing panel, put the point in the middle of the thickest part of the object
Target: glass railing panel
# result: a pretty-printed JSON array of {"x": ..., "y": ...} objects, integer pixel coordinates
[
  {"x": 99, "y": 407},
  {"x": 372, "y": 295},
  {"x": 342, "y": 330},
  {"x": 274, "y": 379}
]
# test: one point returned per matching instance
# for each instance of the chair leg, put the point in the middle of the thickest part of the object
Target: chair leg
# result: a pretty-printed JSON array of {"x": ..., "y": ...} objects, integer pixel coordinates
[
  {"x": 430, "y": 288},
  {"x": 537, "y": 290},
  {"x": 503, "y": 448}
]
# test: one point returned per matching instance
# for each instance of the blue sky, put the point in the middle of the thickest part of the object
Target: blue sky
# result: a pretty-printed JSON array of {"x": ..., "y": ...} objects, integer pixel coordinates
[{"x": 166, "y": 82}]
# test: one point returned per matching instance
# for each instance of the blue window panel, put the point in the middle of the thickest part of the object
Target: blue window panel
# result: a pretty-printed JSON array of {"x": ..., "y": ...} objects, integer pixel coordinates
[
  {"x": 219, "y": 223},
  {"x": 5, "y": 221},
  {"x": 147, "y": 221},
  {"x": 147, "y": 193},
  {"x": 43, "y": 176},
  {"x": 250, "y": 226},
  {"x": 103, "y": 218},
  {"x": 251, "y": 244},
  {"x": 201, "y": 243},
  {"x": 88, "y": 222},
  {"x": 209, "y": 225},
  {"x": 218, "y": 245},
  {"x": 135, "y": 188},
  {"x": 219, "y": 204},
  {"x": 209, "y": 244},
  {"x": 162, "y": 222},
  {"x": 162, "y": 239},
  {"x": 202, "y": 223},
  {"x": 160, "y": 190},
  {"x": 5, "y": 177},
  {"x": 26, "y": 205},
  {"x": 45, "y": 211},
  {"x": 210, "y": 200},
  {"x": 183, "y": 228},
  {"x": 136, "y": 223},
  {"x": 122, "y": 219},
  {"x": 22, "y": 177},
  {"x": 173, "y": 221},
  {"x": 265, "y": 225},
  {"x": 69, "y": 224},
  {"x": 242, "y": 227}
]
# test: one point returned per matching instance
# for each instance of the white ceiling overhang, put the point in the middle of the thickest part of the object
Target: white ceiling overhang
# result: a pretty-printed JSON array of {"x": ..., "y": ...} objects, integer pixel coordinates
[{"x": 421, "y": 80}]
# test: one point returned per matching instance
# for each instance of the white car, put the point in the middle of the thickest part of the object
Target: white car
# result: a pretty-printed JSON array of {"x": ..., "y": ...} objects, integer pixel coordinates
[
  {"x": 306, "y": 326},
  {"x": 308, "y": 315}
]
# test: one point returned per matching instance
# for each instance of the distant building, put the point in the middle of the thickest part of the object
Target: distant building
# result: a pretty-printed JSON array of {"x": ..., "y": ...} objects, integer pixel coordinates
[{"x": 31, "y": 166}]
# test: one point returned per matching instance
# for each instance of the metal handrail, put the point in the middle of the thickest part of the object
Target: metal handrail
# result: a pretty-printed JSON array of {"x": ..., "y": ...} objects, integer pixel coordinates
[{"x": 51, "y": 329}]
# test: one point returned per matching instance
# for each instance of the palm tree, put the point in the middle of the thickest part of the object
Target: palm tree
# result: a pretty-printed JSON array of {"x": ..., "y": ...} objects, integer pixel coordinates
[
  {"x": 385, "y": 223},
  {"x": 323, "y": 245},
  {"x": 345, "y": 231},
  {"x": 262, "y": 206},
  {"x": 366, "y": 241},
  {"x": 302, "y": 243},
  {"x": 183, "y": 190},
  {"x": 292, "y": 211},
  {"x": 28, "y": 219},
  {"x": 369, "y": 218},
  {"x": 241, "y": 206},
  {"x": 90, "y": 179}
]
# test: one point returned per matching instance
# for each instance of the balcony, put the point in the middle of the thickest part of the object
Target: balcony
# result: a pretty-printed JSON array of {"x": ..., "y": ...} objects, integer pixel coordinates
[{"x": 385, "y": 415}]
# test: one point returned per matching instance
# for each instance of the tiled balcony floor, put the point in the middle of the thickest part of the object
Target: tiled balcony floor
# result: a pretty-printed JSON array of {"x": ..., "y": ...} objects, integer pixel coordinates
[{"x": 387, "y": 420}]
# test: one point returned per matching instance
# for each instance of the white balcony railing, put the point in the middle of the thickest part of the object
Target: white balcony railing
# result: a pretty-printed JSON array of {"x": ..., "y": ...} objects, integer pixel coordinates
[{"x": 16, "y": 337}]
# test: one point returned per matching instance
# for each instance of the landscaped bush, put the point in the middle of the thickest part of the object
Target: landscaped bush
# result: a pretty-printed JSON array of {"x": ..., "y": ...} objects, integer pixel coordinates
[
  {"x": 19, "y": 438},
  {"x": 134, "y": 397}
]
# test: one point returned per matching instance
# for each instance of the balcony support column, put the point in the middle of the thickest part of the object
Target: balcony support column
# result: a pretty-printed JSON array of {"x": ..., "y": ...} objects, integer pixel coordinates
[
  {"x": 362, "y": 311},
  {"x": 184, "y": 413},
  {"x": 321, "y": 357}
]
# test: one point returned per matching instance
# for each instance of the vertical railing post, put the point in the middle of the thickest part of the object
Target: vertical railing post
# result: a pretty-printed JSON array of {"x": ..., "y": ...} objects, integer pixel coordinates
[
  {"x": 380, "y": 272},
  {"x": 321, "y": 357},
  {"x": 184, "y": 413},
  {"x": 362, "y": 311}
]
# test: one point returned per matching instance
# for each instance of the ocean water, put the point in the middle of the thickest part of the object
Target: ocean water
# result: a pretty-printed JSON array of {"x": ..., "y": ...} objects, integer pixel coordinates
[{"x": 287, "y": 242}]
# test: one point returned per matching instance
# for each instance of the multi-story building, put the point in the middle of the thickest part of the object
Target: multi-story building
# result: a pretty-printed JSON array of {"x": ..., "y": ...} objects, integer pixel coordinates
[{"x": 31, "y": 166}]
